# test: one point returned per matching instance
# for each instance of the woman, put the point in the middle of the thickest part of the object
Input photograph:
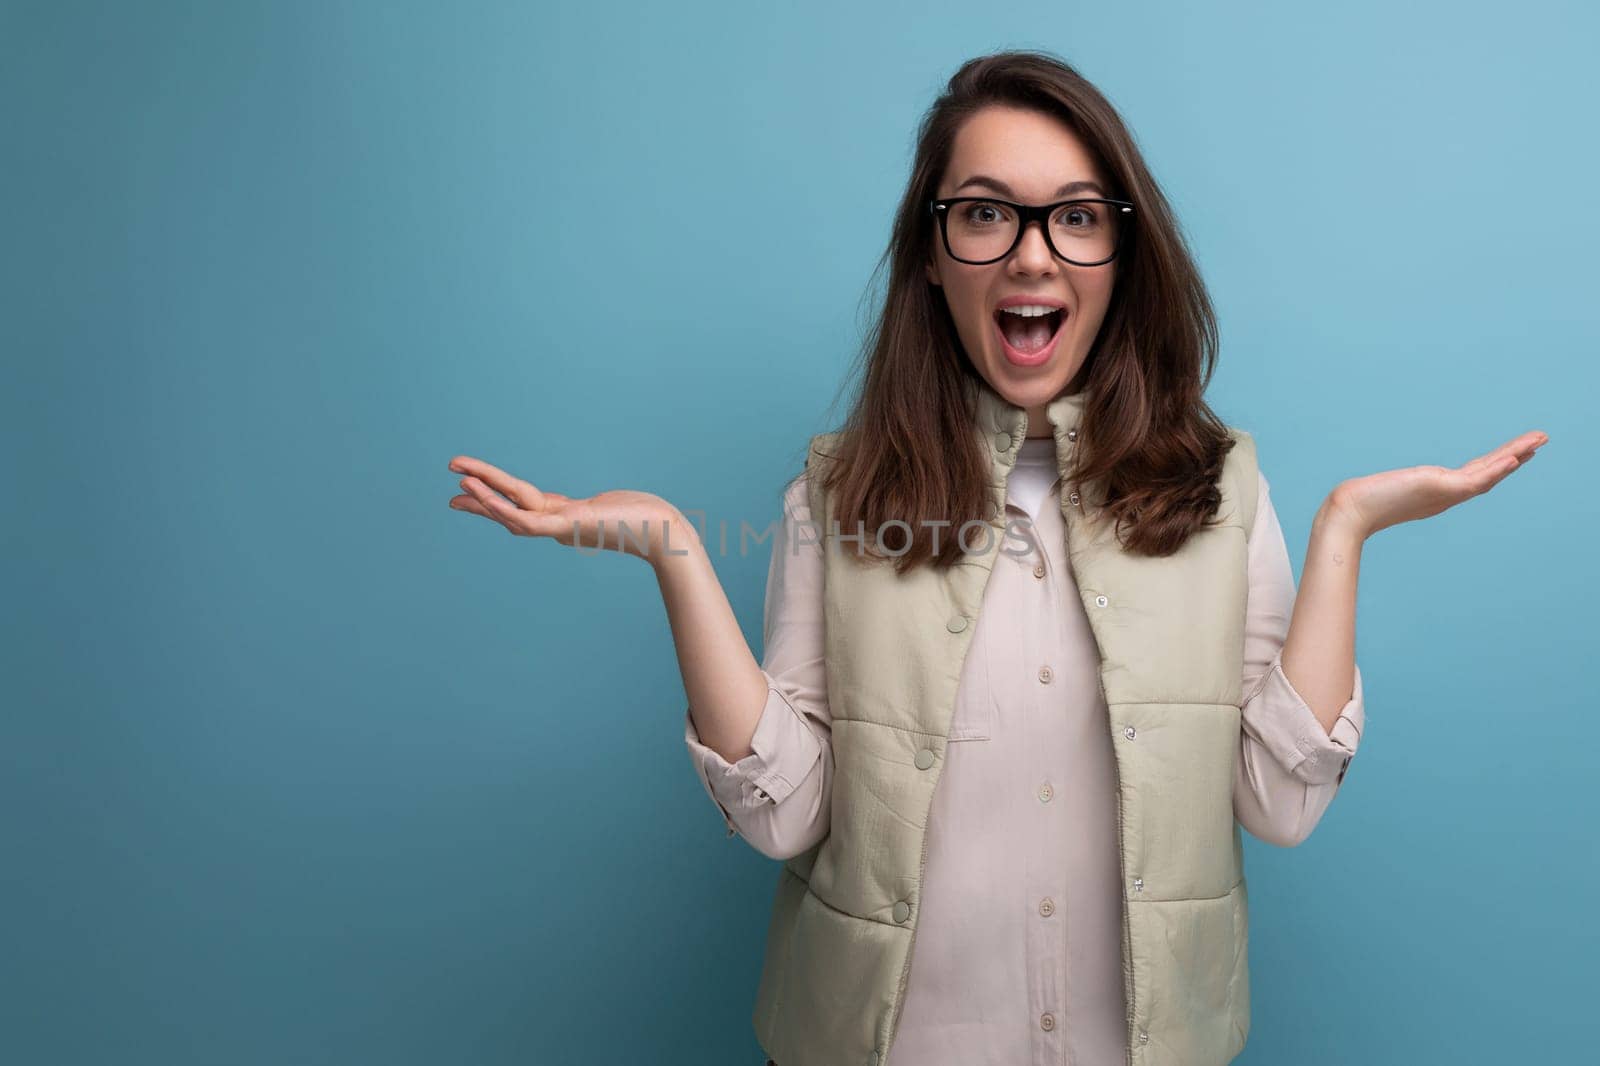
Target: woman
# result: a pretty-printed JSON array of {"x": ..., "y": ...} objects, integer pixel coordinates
[{"x": 1103, "y": 690}]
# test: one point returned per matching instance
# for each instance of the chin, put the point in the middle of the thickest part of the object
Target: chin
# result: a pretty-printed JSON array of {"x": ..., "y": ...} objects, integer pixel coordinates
[{"x": 1028, "y": 388}]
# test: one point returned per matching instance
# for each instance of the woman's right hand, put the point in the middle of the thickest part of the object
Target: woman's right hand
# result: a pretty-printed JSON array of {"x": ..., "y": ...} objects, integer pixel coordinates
[{"x": 654, "y": 526}]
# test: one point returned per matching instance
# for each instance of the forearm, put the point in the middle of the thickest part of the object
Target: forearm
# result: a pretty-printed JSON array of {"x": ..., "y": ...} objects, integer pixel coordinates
[
  {"x": 1319, "y": 651},
  {"x": 721, "y": 677}
]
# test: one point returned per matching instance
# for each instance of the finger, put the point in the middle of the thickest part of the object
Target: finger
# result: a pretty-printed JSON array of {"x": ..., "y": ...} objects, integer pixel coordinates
[
  {"x": 534, "y": 525},
  {"x": 482, "y": 491},
  {"x": 511, "y": 487},
  {"x": 1524, "y": 446},
  {"x": 1521, "y": 446},
  {"x": 1477, "y": 476},
  {"x": 1492, "y": 474},
  {"x": 471, "y": 506},
  {"x": 498, "y": 507},
  {"x": 523, "y": 523},
  {"x": 1535, "y": 441}
]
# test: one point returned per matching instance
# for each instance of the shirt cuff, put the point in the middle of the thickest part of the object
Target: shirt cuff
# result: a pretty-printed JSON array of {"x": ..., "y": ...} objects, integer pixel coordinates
[
  {"x": 1283, "y": 722},
  {"x": 783, "y": 751}
]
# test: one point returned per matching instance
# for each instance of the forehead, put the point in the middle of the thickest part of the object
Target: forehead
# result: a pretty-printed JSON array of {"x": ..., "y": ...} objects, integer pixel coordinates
[{"x": 1030, "y": 151}]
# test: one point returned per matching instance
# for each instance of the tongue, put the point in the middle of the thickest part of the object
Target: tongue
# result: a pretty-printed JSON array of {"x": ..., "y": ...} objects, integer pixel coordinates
[{"x": 1028, "y": 334}]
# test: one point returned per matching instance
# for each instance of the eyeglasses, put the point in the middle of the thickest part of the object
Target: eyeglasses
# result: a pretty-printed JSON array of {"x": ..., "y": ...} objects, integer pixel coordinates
[{"x": 980, "y": 229}]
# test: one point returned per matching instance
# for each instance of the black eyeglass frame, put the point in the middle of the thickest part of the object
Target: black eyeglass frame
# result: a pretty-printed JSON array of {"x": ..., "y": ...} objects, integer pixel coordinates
[{"x": 1026, "y": 213}]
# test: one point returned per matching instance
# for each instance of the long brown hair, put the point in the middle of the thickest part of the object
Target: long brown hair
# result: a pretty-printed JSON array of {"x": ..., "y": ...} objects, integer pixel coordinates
[{"x": 1155, "y": 449}]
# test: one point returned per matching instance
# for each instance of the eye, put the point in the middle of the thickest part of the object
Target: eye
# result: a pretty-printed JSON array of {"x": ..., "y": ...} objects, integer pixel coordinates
[
  {"x": 984, "y": 213},
  {"x": 1079, "y": 216}
]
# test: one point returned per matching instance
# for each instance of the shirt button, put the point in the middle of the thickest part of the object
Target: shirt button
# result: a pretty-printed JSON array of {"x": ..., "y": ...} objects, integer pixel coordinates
[
  {"x": 1045, "y": 792},
  {"x": 1047, "y": 906},
  {"x": 956, "y": 624},
  {"x": 1144, "y": 1037},
  {"x": 1045, "y": 675},
  {"x": 1129, "y": 732},
  {"x": 1038, "y": 571},
  {"x": 902, "y": 910},
  {"x": 924, "y": 758},
  {"x": 1138, "y": 884},
  {"x": 1047, "y": 1021},
  {"x": 1100, "y": 601}
]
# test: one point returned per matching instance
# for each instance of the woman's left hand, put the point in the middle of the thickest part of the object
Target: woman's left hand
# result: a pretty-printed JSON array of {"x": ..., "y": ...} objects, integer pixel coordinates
[{"x": 1378, "y": 501}]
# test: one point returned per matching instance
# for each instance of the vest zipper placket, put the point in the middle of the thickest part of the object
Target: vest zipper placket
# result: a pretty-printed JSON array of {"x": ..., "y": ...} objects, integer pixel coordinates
[
  {"x": 922, "y": 873},
  {"x": 1122, "y": 864},
  {"x": 905, "y": 971}
]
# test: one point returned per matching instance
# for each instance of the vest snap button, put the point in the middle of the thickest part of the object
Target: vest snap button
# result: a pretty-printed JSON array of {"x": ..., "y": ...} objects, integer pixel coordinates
[
  {"x": 872, "y": 1059},
  {"x": 1072, "y": 434},
  {"x": 1129, "y": 732},
  {"x": 1100, "y": 601},
  {"x": 1144, "y": 1037},
  {"x": 902, "y": 910},
  {"x": 956, "y": 624},
  {"x": 1074, "y": 498},
  {"x": 1002, "y": 441},
  {"x": 1138, "y": 884},
  {"x": 924, "y": 758}
]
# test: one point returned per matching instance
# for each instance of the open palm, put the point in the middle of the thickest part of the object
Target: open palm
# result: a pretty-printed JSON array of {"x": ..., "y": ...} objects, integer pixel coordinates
[
  {"x": 1390, "y": 497},
  {"x": 592, "y": 522}
]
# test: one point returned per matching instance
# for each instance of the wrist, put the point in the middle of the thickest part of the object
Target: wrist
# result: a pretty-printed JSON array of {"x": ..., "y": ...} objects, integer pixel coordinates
[
  {"x": 678, "y": 538},
  {"x": 1334, "y": 521}
]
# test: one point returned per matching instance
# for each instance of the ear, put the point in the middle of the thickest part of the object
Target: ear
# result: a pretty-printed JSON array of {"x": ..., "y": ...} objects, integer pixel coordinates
[{"x": 932, "y": 268}]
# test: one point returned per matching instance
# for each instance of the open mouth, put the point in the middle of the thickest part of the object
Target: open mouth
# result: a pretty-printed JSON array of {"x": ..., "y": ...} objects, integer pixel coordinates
[{"x": 1028, "y": 339}]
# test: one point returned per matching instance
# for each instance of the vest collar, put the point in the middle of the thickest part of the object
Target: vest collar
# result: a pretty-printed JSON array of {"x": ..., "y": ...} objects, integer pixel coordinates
[{"x": 1002, "y": 426}]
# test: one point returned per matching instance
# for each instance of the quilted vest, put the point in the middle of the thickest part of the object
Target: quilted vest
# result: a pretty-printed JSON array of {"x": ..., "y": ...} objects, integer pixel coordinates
[{"x": 1170, "y": 631}]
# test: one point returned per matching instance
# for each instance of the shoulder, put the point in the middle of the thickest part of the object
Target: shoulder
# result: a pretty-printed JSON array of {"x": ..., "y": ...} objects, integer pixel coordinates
[
  {"x": 797, "y": 498},
  {"x": 1244, "y": 445},
  {"x": 824, "y": 447},
  {"x": 1242, "y": 487}
]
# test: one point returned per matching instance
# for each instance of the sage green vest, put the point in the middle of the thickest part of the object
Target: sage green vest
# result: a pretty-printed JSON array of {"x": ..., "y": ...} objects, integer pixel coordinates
[{"x": 1171, "y": 637}]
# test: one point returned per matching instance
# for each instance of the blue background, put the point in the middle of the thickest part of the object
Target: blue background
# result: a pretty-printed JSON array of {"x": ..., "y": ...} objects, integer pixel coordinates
[{"x": 299, "y": 765}]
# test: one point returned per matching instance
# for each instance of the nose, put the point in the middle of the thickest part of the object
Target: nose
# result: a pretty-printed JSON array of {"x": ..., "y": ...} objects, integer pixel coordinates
[{"x": 1033, "y": 251}]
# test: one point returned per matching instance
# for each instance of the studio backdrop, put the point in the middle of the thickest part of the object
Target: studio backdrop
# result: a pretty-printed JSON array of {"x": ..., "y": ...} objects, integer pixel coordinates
[{"x": 298, "y": 765}]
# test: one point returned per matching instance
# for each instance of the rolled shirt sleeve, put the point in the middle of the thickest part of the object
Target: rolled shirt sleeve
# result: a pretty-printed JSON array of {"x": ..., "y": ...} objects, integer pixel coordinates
[
  {"x": 1283, "y": 723},
  {"x": 784, "y": 752}
]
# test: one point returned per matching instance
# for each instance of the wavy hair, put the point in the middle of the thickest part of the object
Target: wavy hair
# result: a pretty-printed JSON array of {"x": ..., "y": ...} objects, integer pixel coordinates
[{"x": 906, "y": 450}]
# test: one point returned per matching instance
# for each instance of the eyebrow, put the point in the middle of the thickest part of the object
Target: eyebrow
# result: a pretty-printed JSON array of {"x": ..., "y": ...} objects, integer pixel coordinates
[{"x": 1005, "y": 190}]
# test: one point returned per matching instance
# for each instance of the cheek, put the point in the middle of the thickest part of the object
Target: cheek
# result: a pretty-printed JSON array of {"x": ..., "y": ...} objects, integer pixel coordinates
[
  {"x": 1094, "y": 294},
  {"x": 970, "y": 300}
]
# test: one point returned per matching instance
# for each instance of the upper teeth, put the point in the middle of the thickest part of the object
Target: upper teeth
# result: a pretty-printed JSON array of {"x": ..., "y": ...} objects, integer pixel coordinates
[{"x": 1030, "y": 310}]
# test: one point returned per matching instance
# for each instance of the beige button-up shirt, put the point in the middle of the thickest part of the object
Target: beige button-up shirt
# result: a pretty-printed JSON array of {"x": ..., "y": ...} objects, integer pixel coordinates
[{"x": 1018, "y": 956}]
